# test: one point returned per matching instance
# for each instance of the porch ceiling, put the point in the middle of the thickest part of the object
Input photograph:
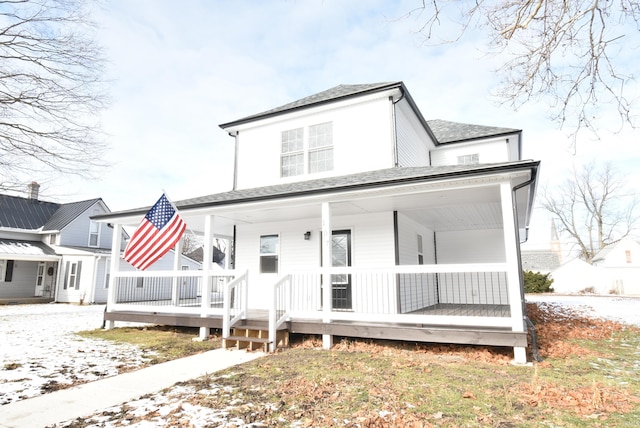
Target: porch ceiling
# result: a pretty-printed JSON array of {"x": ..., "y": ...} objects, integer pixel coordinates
[{"x": 443, "y": 209}]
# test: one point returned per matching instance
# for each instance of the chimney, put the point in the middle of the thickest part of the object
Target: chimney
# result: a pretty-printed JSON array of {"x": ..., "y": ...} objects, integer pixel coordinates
[{"x": 33, "y": 191}]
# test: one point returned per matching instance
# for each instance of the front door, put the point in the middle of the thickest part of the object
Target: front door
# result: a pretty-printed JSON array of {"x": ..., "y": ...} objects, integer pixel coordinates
[
  {"x": 341, "y": 257},
  {"x": 39, "y": 292}
]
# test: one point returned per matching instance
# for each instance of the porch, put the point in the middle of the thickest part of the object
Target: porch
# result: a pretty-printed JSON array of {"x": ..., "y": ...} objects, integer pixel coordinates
[{"x": 460, "y": 304}]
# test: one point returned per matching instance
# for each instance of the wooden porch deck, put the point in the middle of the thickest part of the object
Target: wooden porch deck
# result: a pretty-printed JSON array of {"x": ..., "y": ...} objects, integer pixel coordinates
[{"x": 258, "y": 319}]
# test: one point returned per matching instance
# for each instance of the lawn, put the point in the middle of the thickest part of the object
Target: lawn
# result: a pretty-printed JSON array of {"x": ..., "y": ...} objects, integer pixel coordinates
[{"x": 589, "y": 377}]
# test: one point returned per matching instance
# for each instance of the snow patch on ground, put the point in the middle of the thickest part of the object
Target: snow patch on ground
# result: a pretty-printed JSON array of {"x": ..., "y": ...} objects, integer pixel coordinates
[
  {"x": 40, "y": 341},
  {"x": 41, "y": 353},
  {"x": 622, "y": 309}
]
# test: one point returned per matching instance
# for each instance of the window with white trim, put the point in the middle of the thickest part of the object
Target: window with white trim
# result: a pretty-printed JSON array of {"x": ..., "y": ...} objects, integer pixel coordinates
[
  {"x": 307, "y": 156},
  {"x": 471, "y": 159},
  {"x": 269, "y": 249},
  {"x": 94, "y": 233},
  {"x": 321, "y": 147},
  {"x": 72, "y": 275},
  {"x": 53, "y": 238},
  {"x": 420, "y": 253},
  {"x": 292, "y": 158},
  {"x": 6, "y": 270}
]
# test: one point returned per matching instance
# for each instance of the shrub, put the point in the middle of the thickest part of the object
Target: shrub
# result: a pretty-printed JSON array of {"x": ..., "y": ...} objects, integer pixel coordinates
[{"x": 537, "y": 282}]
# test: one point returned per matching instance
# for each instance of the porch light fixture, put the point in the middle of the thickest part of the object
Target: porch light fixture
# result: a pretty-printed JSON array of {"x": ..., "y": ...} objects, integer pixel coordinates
[{"x": 307, "y": 236}]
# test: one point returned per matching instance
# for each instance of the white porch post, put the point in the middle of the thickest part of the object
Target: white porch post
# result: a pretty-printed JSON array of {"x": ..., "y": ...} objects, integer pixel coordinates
[
  {"x": 116, "y": 242},
  {"x": 177, "y": 258},
  {"x": 327, "y": 339},
  {"x": 513, "y": 275},
  {"x": 207, "y": 257}
]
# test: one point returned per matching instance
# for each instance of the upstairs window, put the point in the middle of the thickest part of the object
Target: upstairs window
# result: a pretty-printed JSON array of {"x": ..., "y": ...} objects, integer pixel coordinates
[
  {"x": 292, "y": 153},
  {"x": 94, "y": 233},
  {"x": 627, "y": 255},
  {"x": 321, "y": 147},
  {"x": 472, "y": 159},
  {"x": 269, "y": 248},
  {"x": 307, "y": 156}
]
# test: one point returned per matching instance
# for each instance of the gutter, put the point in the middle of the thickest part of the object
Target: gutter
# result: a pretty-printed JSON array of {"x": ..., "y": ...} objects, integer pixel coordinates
[{"x": 514, "y": 191}]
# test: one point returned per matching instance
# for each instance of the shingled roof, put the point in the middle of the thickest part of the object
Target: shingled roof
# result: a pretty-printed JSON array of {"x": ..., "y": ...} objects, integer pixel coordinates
[
  {"x": 443, "y": 131},
  {"x": 336, "y": 93},
  {"x": 33, "y": 214},
  {"x": 450, "y": 132},
  {"x": 369, "y": 179}
]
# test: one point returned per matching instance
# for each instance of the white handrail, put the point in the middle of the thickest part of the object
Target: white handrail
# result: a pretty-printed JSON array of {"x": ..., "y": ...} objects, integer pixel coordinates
[
  {"x": 239, "y": 283},
  {"x": 274, "y": 321}
]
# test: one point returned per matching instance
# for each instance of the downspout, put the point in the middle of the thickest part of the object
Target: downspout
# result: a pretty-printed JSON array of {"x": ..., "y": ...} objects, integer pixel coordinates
[
  {"x": 395, "y": 127},
  {"x": 235, "y": 158},
  {"x": 532, "y": 328}
]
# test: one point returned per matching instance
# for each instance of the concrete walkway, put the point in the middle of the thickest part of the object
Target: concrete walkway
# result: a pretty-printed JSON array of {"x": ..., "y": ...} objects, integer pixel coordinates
[{"x": 85, "y": 400}]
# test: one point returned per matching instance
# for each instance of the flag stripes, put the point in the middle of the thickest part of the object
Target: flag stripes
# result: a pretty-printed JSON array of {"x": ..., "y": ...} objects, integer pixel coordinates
[{"x": 158, "y": 232}]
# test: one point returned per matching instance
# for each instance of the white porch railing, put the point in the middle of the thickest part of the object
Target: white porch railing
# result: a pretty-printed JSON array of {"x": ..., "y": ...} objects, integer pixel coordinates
[
  {"x": 439, "y": 295},
  {"x": 169, "y": 292},
  {"x": 448, "y": 295},
  {"x": 236, "y": 303}
]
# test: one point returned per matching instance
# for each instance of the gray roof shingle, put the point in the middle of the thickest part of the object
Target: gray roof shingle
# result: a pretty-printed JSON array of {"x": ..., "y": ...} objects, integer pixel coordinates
[
  {"x": 443, "y": 131},
  {"x": 450, "y": 132},
  {"x": 329, "y": 95}
]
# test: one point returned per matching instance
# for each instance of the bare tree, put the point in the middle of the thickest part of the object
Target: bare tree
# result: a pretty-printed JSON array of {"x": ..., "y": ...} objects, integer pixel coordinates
[
  {"x": 190, "y": 242},
  {"x": 593, "y": 207},
  {"x": 575, "y": 52},
  {"x": 51, "y": 91}
]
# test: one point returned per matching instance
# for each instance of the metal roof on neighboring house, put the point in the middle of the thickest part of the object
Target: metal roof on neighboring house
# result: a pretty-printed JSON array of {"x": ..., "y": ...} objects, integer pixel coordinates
[
  {"x": 450, "y": 132},
  {"x": 67, "y": 213},
  {"x": 25, "y": 248},
  {"x": 32, "y": 214},
  {"x": 24, "y": 213}
]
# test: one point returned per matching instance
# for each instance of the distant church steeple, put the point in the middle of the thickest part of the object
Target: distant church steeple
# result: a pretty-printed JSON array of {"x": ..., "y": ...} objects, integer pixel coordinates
[{"x": 556, "y": 247}]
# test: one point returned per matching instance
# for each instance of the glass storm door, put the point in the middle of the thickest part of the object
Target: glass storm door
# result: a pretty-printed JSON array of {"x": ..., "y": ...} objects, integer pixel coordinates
[{"x": 341, "y": 257}]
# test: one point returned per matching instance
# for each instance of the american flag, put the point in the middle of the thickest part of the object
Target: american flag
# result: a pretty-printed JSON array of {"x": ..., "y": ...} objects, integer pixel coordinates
[{"x": 157, "y": 233}]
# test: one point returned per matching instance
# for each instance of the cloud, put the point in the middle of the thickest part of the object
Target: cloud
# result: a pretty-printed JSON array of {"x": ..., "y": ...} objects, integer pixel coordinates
[{"x": 180, "y": 69}]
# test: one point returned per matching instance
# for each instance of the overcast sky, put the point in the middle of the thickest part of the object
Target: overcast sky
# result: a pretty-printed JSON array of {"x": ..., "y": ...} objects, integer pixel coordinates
[{"x": 180, "y": 68}]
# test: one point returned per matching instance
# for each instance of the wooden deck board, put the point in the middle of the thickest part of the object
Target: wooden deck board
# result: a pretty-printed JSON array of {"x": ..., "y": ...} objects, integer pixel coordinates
[{"x": 393, "y": 331}]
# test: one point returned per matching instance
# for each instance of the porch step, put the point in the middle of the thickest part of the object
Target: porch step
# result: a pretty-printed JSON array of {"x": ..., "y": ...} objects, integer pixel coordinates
[{"x": 254, "y": 339}]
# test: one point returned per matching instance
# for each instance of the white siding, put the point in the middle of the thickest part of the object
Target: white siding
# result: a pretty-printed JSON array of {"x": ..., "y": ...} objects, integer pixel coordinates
[
  {"x": 412, "y": 140},
  {"x": 472, "y": 246},
  {"x": 362, "y": 141},
  {"x": 489, "y": 151},
  {"x": 416, "y": 291},
  {"x": 23, "y": 282},
  {"x": 371, "y": 243},
  {"x": 85, "y": 282},
  {"x": 76, "y": 233}
]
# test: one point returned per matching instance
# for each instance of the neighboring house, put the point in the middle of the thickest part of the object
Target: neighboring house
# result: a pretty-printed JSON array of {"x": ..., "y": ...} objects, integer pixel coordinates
[
  {"x": 576, "y": 276},
  {"x": 55, "y": 252},
  {"x": 544, "y": 260},
  {"x": 352, "y": 215},
  {"x": 619, "y": 265}
]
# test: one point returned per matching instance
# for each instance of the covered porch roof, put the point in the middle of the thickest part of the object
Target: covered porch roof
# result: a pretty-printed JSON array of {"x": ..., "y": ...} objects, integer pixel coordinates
[
  {"x": 458, "y": 197},
  {"x": 15, "y": 249}
]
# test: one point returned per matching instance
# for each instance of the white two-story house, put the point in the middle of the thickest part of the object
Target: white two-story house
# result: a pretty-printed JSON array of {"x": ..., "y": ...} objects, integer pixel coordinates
[{"x": 353, "y": 215}]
